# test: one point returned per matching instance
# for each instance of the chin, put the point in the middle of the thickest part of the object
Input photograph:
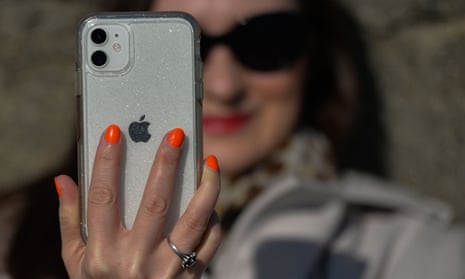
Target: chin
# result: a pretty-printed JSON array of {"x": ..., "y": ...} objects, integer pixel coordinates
[{"x": 234, "y": 158}]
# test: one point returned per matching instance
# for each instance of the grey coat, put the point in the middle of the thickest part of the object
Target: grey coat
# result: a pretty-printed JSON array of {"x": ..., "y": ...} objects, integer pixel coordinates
[{"x": 357, "y": 227}]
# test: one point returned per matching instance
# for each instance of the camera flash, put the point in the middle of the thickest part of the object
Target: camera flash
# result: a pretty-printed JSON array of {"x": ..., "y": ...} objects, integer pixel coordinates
[{"x": 116, "y": 47}]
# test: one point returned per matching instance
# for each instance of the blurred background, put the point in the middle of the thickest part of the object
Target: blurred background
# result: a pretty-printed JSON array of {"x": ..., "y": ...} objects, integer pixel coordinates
[{"x": 417, "y": 49}]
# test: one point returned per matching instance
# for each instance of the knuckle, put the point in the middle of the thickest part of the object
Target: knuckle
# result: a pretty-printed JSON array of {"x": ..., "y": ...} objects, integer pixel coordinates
[
  {"x": 131, "y": 271},
  {"x": 169, "y": 157},
  {"x": 93, "y": 272},
  {"x": 99, "y": 265},
  {"x": 194, "y": 223},
  {"x": 155, "y": 206},
  {"x": 67, "y": 221},
  {"x": 101, "y": 195},
  {"x": 107, "y": 156},
  {"x": 95, "y": 267}
]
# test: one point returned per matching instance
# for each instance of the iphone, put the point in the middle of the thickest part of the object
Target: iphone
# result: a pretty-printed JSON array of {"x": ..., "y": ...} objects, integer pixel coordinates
[{"x": 141, "y": 71}]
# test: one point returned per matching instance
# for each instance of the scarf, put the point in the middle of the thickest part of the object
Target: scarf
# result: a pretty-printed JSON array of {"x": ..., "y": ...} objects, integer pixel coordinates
[{"x": 306, "y": 154}]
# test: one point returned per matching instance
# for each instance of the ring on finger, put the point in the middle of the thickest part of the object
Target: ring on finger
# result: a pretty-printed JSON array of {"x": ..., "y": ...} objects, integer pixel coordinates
[{"x": 187, "y": 259}]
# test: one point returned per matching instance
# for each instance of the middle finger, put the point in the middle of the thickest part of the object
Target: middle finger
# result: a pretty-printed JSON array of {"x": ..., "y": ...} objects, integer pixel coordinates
[{"x": 151, "y": 216}]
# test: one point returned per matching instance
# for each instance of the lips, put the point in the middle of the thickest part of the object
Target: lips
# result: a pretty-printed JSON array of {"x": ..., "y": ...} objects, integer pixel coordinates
[{"x": 225, "y": 125}]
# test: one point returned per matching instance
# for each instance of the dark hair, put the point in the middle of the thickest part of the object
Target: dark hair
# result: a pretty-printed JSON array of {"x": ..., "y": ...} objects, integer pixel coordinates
[
  {"x": 350, "y": 117},
  {"x": 351, "y": 120},
  {"x": 35, "y": 250},
  {"x": 355, "y": 130}
]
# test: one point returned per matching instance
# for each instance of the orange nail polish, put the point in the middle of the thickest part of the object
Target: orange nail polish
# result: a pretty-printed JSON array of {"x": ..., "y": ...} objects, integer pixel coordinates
[
  {"x": 212, "y": 163},
  {"x": 112, "y": 134},
  {"x": 57, "y": 187},
  {"x": 176, "y": 137}
]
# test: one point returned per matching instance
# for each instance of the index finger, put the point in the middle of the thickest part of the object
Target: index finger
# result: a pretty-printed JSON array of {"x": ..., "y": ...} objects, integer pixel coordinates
[{"x": 103, "y": 216}]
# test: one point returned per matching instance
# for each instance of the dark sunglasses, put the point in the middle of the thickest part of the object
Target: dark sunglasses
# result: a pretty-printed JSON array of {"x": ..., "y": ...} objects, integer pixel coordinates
[{"x": 266, "y": 42}]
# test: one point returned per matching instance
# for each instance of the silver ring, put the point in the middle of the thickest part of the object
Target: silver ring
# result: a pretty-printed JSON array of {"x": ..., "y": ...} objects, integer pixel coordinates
[{"x": 188, "y": 260}]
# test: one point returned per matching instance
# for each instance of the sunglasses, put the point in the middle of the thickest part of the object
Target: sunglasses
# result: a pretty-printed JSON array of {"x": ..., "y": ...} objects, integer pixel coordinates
[{"x": 263, "y": 43}]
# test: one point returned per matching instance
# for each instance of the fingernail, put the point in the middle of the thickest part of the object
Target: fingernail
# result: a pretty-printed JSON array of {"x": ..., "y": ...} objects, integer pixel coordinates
[
  {"x": 112, "y": 134},
  {"x": 212, "y": 162},
  {"x": 57, "y": 187},
  {"x": 176, "y": 137}
]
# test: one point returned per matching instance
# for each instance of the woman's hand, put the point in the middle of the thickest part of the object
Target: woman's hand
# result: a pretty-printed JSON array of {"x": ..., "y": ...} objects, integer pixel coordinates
[{"x": 113, "y": 251}]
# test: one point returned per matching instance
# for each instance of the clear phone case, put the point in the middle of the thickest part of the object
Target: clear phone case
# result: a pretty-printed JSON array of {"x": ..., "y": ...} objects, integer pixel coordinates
[{"x": 143, "y": 72}]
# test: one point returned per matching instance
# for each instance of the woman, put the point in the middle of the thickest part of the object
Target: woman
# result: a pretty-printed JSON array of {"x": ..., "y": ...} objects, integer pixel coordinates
[{"x": 286, "y": 209}]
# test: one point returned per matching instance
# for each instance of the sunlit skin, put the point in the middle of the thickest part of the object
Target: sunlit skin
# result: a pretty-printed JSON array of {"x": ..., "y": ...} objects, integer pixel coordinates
[{"x": 247, "y": 113}]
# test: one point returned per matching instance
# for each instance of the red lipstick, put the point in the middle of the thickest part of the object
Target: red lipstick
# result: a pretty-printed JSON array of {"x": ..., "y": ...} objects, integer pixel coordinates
[{"x": 224, "y": 125}]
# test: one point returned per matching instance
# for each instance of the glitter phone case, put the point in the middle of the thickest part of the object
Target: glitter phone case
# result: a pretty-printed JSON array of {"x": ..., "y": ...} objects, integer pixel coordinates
[{"x": 141, "y": 71}]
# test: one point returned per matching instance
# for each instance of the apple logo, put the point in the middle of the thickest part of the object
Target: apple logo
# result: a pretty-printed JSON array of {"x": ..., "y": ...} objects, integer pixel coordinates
[{"x": 139, "y": 130}]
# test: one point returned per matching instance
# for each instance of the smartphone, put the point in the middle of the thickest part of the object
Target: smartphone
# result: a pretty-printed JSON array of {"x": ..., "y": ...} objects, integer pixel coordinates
[{"x": 141, "y": 71}]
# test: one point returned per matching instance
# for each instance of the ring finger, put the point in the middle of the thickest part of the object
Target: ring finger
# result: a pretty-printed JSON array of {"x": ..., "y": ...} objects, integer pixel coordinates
[{"x": 189, "y": 230}]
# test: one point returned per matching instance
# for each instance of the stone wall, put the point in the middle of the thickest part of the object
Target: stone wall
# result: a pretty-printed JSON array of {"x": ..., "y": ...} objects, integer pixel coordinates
[
  {"x": 37, "y": 83},
  {"x": 417, "y": 49},
  {"x": 418, "y": 53}
]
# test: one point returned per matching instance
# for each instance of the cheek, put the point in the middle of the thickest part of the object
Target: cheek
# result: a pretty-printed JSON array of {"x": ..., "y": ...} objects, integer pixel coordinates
[
  {"x": 278, "y": 93},
  {"x": 278, "y": 96}
]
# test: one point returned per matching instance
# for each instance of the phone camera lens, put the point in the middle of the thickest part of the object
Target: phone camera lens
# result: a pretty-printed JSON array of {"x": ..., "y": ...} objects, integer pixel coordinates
[
  {"x": 98, "y": 36},
  {"x": 99, "y": 58}
]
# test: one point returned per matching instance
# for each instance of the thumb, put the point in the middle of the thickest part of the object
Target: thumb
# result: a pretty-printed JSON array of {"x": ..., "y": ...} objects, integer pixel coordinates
[{"x": 72, "y": 244}]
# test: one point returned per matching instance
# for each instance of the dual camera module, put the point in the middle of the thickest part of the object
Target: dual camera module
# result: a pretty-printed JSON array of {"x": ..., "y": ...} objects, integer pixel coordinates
[
  {"x": 109, "y": 48},
  {"x": 98, "y": 36}
]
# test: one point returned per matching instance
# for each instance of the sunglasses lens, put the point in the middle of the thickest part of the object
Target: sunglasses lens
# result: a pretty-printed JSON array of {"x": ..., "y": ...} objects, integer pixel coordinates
[
  {"x": 269, "y": 42},
  {"x": 206, "y": 43},
  {"x": 264, "y": 43}
]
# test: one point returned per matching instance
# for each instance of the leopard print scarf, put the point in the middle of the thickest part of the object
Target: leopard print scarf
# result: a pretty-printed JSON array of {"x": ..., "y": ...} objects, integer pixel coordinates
[{"x": 306, "y": 154}]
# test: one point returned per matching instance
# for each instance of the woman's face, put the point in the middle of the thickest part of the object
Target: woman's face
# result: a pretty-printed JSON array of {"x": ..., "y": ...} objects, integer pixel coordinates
[{"x": 246, "y": 113}]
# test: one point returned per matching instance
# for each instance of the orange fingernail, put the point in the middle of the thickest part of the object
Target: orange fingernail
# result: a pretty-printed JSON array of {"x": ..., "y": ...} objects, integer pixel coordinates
[
  {"x": 212, "y": 163},
  {"x": 112, "y": 134},
  {"x": 176, "y": 137},
  {"x": 57, "y": 187}
]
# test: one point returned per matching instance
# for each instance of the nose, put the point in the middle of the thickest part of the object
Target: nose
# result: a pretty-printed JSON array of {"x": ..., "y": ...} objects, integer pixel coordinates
[{"x": 222, "y": 77}]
